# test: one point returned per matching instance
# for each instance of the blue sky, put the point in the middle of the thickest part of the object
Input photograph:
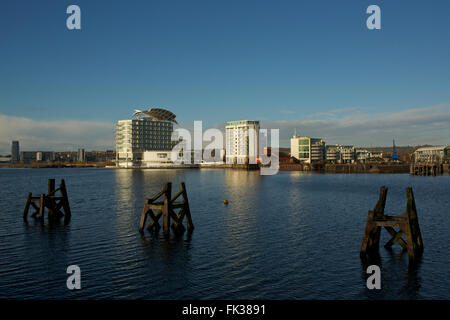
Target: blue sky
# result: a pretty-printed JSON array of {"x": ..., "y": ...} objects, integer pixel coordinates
[{"x": 291, "y": 64}]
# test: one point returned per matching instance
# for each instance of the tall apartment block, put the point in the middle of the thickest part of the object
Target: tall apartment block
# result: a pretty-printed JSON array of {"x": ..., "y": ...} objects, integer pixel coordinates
[
  {"x": 81, "y": 155},
  {"x": 15, "y": 154},
  {"x": 146, "y": 137},
  {"x": 307, "y": 149},
  {"x": 241, "y": 141}
]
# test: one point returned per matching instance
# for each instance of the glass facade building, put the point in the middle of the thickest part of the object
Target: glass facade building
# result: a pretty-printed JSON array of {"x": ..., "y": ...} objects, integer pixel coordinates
[
  {"x": 307, "y": 149},
  {"x": 136, "y": 136}
]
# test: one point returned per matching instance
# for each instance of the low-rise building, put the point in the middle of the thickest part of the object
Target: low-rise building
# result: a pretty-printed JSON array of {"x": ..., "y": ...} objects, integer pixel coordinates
[
  {"x": 32, "y": 156},
  {"x": 347, "y": 154},
  {"x": 432, "y": 154}
]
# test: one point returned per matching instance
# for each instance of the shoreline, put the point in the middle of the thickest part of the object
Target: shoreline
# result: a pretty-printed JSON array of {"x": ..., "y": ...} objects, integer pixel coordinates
[{"x": 353, "y": 168}]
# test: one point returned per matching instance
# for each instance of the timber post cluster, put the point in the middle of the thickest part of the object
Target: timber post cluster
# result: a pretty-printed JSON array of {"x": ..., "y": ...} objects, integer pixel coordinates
[
  {"x": 165, "y": 207},
  {"x": 51, "y": 201},
  {"x": 428, "y": 168},
  {"x": 408, "y": 225}
]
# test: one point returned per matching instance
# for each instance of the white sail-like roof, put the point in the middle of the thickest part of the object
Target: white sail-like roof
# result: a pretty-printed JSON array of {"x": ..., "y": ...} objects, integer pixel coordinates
[{"x": 155, "y": 114}]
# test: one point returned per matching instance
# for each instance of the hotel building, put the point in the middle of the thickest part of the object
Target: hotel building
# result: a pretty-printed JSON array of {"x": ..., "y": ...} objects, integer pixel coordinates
[
  {"x": 242, "y": 141},
  {"x": 145, "y": 140}
]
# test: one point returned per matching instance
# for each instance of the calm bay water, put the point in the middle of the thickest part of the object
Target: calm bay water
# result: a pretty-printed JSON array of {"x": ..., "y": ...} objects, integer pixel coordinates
[{"x": 288, "y": 236}]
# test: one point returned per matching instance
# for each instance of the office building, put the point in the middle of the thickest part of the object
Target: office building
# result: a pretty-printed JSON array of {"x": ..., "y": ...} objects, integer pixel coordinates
[
  {"x": 15, "y": 151},
  {"x": 307, "y": 149},
  {"x": 242, "y": 141},
  {"x": 149, "y": 131}
]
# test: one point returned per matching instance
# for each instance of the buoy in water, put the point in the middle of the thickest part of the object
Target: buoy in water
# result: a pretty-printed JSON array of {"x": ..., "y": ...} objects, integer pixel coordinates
[{"x": 225, "y": 201}]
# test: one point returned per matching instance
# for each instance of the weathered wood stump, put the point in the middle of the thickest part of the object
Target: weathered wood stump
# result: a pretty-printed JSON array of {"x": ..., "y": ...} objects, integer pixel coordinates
[
  {"x": 408, "y": 224},
  {"x": 166, "y": 208},
  {"x": 51, "y": 201}
]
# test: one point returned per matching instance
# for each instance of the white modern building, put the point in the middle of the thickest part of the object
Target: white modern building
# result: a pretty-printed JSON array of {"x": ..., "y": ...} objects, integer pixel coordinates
[
  {"x": 242, "y": 141},
  {"x": 307, "y": 149},
  {"x": 348, "y": 154},
  {"x": 146, "y": 139},
  {"x": 432, "y": 154}
]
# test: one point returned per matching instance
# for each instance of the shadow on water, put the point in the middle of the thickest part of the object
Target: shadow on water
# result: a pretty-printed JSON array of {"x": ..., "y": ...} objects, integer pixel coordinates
[
  {"x": 156, "y": 242},
  {"x": 45, "y": 225},
  {"x": 400, "y": 279}
]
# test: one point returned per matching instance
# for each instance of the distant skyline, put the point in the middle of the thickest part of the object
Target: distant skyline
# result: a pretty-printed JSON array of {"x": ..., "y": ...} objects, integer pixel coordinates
[{"x": 312, "y": 66}]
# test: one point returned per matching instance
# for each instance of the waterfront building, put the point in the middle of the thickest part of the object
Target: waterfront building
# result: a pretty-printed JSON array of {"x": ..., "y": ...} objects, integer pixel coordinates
[
  {"x": 332, "y": 153},
  {"x": 15, "y": 153},
  {"x": 307, "y": 149},
  {"x": 242, "y": 141},
  {"x": 81, "y": 155},
  {"x": 347, "y": 154},
  {"x": 340, "y": 154},
  {"x": 32, "y": 156},
  {"x": 432, "y": 154},
  {"x": 100, "y": 156},
  {"x": 364, "y": 155},
  {"x": 149, "y": 131}
]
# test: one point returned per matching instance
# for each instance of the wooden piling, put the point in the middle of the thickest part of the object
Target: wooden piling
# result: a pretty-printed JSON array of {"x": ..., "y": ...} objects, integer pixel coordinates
[
  {"x": 166, "y": 208},
  {"x": 27, "y": 206},
  {"x": 51, "y": 201},
  {"x": 407, "y": 223}
]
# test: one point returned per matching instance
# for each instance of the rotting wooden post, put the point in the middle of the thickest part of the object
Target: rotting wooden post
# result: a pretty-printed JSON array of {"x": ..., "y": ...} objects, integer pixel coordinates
[
  {"x": 27, "y": 206},
  {"x": 167, "y": 207},
  {"x": 407, "y": 223},
  {"x": 65, "y": 202},
  {"x": 53, "y": 202},
  {"x": 41, "y": 206},
  {"x": 51, "y": 186},
  {"x": 144, "y": 216},
  {"x": 413, "y": 222},
  {"x": 50, "y": 202},
  {"x": 372, "y": 232},
  {"x": 187, "y": 211}
]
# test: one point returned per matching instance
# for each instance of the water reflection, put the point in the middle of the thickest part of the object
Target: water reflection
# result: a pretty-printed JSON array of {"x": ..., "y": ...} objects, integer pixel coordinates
[
  {"x": 132, "y": 187},
  {"x": 400, "y": 278}
]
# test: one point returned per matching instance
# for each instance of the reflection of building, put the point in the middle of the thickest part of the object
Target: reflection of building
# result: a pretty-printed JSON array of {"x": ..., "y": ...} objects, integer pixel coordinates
[
  {"x": 15, "y": 154},
  {"x": 307, "y": 149},
  {"x": 81, "y": 156},
  {"x": 430, "y": 154},
  {"x": 242, "y": 141},
  {"x": 150, "y": 131}
]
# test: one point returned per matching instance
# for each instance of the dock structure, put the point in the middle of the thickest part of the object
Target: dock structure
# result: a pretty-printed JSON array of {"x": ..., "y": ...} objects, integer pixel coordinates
[
  {"x": 165, "y": 207},
  {"x": 407, "y": 224},
  {"x": 428, "y": 168},
  {"x": 53, "y": 202}
]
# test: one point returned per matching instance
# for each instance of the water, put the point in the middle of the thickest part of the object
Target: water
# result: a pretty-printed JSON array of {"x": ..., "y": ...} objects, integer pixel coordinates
[{"x": 289, "y": 236}]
